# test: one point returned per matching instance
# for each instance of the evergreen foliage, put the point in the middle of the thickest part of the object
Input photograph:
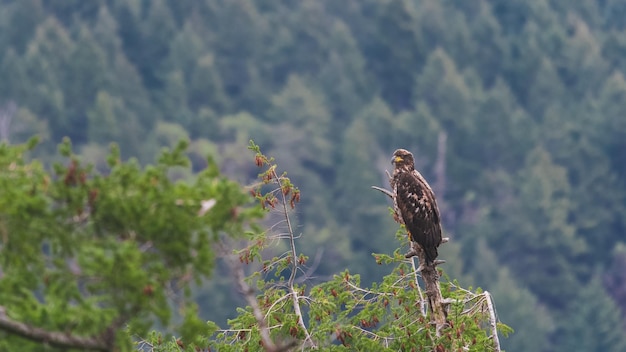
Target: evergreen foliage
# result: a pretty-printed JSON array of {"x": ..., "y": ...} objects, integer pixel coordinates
[{"x": 97, "y": 255}]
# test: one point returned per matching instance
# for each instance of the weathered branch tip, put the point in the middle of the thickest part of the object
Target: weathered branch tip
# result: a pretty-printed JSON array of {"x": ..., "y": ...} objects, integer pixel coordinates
[{"x": 385, "y": 191}]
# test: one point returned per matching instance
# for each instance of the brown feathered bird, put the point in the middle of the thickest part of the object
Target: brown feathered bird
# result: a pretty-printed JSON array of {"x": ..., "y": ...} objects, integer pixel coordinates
[{"x": 415, "y": 201}]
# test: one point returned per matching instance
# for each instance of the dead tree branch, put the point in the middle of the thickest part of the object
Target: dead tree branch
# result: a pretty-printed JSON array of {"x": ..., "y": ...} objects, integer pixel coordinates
[
  {"x": 419, "y": 289},
  {"x": 493, "y": 319},
  {"x": 481, "y": 303},
  {"x": 55, "y": 338}
]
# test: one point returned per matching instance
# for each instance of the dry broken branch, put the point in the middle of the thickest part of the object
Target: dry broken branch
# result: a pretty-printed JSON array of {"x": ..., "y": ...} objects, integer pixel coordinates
[{"x": 492, "y": 320}]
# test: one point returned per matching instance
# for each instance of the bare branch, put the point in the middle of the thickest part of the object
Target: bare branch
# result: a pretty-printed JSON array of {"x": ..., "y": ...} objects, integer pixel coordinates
[
  {"x": 385, "y": 191},
  {"x": 492, "y": 320},
  {"x": 269, "y": 310},
  {"x": 375, "y": 336},
  {"x": 316, "y": 262},
  {"x": 419, "y": 290},
  {"x": 433, "y": 292},
  {"x": 54, "y": 338},
  {"x": 365, "y": 291}
]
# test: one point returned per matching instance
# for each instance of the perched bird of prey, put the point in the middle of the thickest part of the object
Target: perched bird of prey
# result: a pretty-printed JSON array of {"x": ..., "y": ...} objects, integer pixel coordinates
[{"x": 415, "y": 201}]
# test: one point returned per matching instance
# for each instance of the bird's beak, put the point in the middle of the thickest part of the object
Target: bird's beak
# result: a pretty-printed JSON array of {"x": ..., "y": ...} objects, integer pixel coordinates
[{"x": 396, "y": 159}]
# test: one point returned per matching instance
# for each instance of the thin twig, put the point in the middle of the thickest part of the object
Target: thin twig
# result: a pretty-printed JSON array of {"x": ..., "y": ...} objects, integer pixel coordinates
[
  {"x": 367, "y": 292},
  {"x": 316, "y": 262},
  {"x": 269, "y": 310},
  {"x": 376, "y": 336},
  {"x": 144, "y": 345}
]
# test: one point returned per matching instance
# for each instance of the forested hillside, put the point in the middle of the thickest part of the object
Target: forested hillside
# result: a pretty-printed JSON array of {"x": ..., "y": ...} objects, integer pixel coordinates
[{"x": 515, "y": 111}]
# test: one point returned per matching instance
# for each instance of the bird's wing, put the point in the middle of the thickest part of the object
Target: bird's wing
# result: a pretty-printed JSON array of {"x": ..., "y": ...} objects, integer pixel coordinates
[{"x": 418, "y": 208}]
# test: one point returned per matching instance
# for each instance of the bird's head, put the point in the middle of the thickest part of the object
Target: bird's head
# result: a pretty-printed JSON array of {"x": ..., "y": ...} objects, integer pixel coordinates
[{"x": 403, "y": 159}]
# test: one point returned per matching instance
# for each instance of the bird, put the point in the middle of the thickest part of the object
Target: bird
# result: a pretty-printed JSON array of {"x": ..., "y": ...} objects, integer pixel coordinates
[{"x": 415, "y": 201}]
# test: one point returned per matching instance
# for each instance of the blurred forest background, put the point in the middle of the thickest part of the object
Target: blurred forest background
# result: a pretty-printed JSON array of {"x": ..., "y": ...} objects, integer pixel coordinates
[{"x": 515, "y": 111}]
